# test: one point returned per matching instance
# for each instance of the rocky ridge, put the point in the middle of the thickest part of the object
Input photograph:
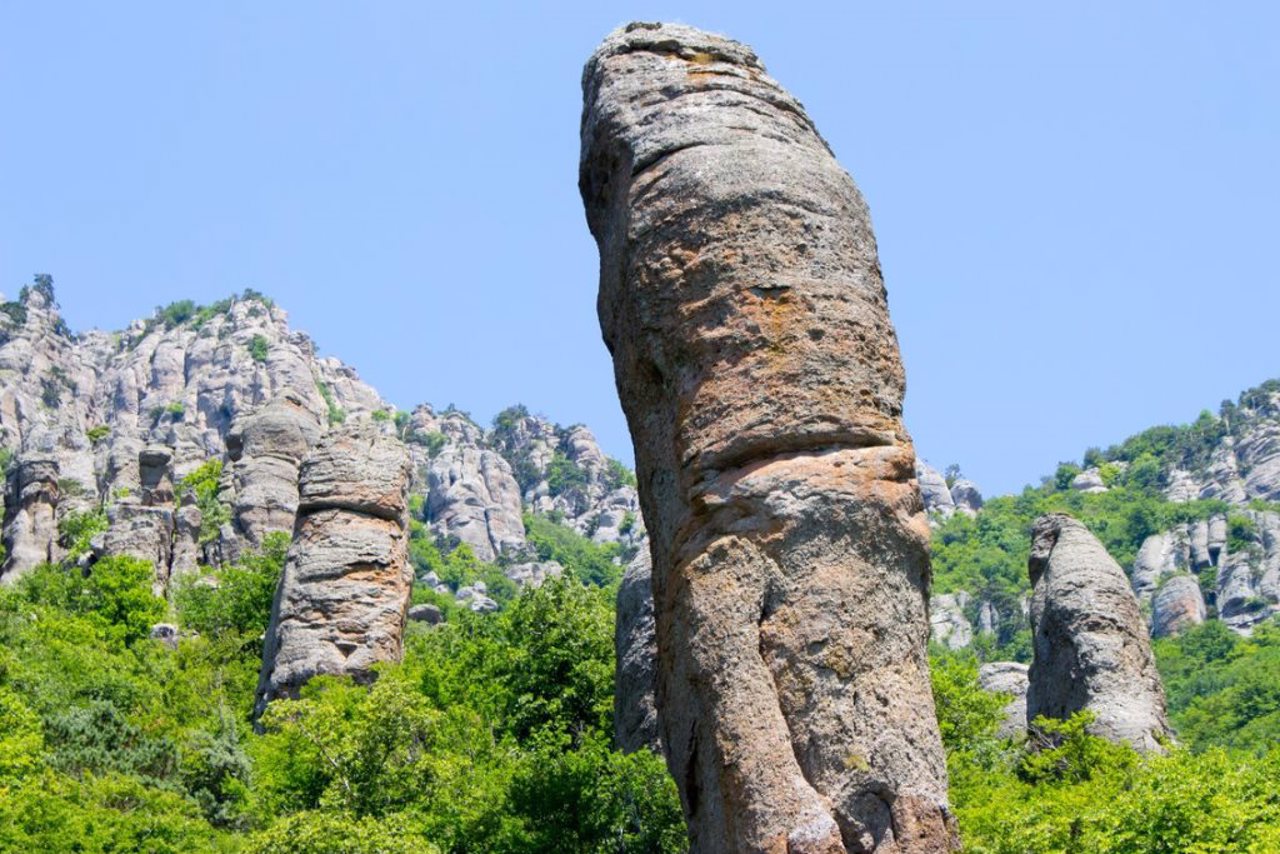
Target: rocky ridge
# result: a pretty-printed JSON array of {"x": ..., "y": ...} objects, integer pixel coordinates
[{"x": 121, "y": 429}]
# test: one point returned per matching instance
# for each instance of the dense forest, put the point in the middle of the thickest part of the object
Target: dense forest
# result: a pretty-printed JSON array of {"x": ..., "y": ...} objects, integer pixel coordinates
[{"x": 495, "y": 731}]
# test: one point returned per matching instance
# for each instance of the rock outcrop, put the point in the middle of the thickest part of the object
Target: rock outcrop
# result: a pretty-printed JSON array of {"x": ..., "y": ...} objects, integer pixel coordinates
[
  {"x": 934, "y": 490},
  {"x": 635, "y": 711},
  {"x": 1090, "y": 643},
  {"x": 117, "y": 420},
  {"x": 343, "y": 597},
  {"x": 966, "y": 496},
  {"x": 1178, "y": 605},
  {"x": 1008, "y": 677},
  {"x": 474, "y": 497},
  {"x": 264, "y": 450},
  {"x": 948, "y": 624},
  {"x": 741, "y": 298}
]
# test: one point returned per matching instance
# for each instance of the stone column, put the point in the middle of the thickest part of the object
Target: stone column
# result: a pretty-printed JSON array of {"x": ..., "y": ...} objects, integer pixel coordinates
[{"x": 741, "y": 298}]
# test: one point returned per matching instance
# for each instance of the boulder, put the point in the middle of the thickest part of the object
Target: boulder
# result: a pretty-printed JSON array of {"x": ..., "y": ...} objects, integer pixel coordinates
[
  {"x": 742, "y": 302},
  {"x": 166, "y": 633},
  {"x": 1090, "y": 643},
  {"x": 1089, "y": 481},
  {"x": 934, "y": 490},
  {"x": 966, "y": 496},
  {"x": 428, "y": 614}
]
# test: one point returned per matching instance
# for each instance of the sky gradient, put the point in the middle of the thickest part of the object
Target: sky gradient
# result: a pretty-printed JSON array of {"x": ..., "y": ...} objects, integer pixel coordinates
[{"x": 1076, "y": 207}]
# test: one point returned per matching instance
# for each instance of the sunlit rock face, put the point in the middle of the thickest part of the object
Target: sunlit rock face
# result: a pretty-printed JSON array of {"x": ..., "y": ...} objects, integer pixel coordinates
[
  {"x": 1091, "y": 647},
  {"x": 343, "y": 598},
  {"x": 741, "y": 298}
]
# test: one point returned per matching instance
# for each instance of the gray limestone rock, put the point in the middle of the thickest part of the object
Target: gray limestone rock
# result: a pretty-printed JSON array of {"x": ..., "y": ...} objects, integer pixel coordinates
[
  {"x": 428, "y": 614},
  {"x": 635, "y": 711},
  {"x": 1008, "y": 677},
  {"x": 1161, "y": 555},
  {"x": 934, "y": 490},
  {"x": 30, "y": 528},
  {"x": 474, "y": 497},
  {"x": 1091, "y": 648},
  {"x": 966, "y": 496},
  {"x": 948, "y": 624},
  {"x": 343, "y": 597},
  {"x": 741, "y": 299},
  {"x": 166, "y": 633},
  {"x": 1089, "y": 481},
  {"x": 1177, "y": 605},
  {"x": 123, "y": 417}
]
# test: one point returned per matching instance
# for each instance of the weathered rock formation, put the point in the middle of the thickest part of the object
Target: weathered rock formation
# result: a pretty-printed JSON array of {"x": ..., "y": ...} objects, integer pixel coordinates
[
  {"x": 1090, "y": 643},
  {"x": 966, "y": 496},
  {"x": 1178, "y": 605},
  {"x": 635, "y": 711},
  {"x": 948, "y": 624},
  {"x": 474, "y": 497},
  {"x": 741, "y": 298},
  {"x": 344, "y": 594},
  {"x": 116, "y": 420},
  {"x": 264, "y": 450},
  {"x": 1008, "y": 677},
  {"x": 934, "y": 490}
]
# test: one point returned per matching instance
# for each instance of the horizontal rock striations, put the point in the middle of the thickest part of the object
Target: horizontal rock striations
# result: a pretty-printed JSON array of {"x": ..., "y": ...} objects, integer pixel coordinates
[
  {"x": 1090, "y": 643},
  {"x": 343, "y": 597},
  {"x": 741, "y": 298}
]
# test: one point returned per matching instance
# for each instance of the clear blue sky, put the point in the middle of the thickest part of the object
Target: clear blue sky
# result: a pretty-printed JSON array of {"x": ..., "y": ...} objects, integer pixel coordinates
[{"x": 1076, "y": 205}]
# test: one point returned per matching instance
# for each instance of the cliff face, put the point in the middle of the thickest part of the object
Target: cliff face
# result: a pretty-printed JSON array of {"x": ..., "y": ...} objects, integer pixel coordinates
[
  {"x": 117, "y": 420},
  {"x": 118, "y": 427}
]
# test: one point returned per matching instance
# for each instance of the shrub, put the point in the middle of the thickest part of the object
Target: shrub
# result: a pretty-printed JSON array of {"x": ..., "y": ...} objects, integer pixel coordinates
[
  {"x": 115, "y": 595},
  {"x": 258, "y": 348},
  {"x": 205, "y": 483},
  {"x": 239, "y": 599}
]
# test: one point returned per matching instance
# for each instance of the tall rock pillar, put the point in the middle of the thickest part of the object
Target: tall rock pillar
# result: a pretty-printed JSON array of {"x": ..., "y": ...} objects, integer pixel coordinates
[
  {"x": 342, "y": 599},
  {"x": 1090, "y": 644},
  {"x": 741, "y": 298}
]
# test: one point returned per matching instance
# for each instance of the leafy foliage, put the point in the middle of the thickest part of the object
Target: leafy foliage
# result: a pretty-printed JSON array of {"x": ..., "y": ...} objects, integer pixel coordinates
[
  {"x": 336, "y": 413},
  {"x": 237, "y": 597},
  {"x": 259, "y": 346},
  {"x": 591, "y": 563},
  {"x": 1223, "y": 690},
  {"x": 204, "y": 482},
  {"x": 77, "y": 528},
  {"x": 563, "y": 474},
  {"x": 1067, "y": 791}
]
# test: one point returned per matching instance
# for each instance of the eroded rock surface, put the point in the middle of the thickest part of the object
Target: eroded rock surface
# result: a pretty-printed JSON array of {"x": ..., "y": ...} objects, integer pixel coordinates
[
  {"x": 116, "y": 420},
  {"x": 344, "y": 594},
  {"x": 1008, "y": 677},
  {"x": 635, "y": 711},
  {"x": 741, "y": 298},
  {"x": 1090, "y": 643}
]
